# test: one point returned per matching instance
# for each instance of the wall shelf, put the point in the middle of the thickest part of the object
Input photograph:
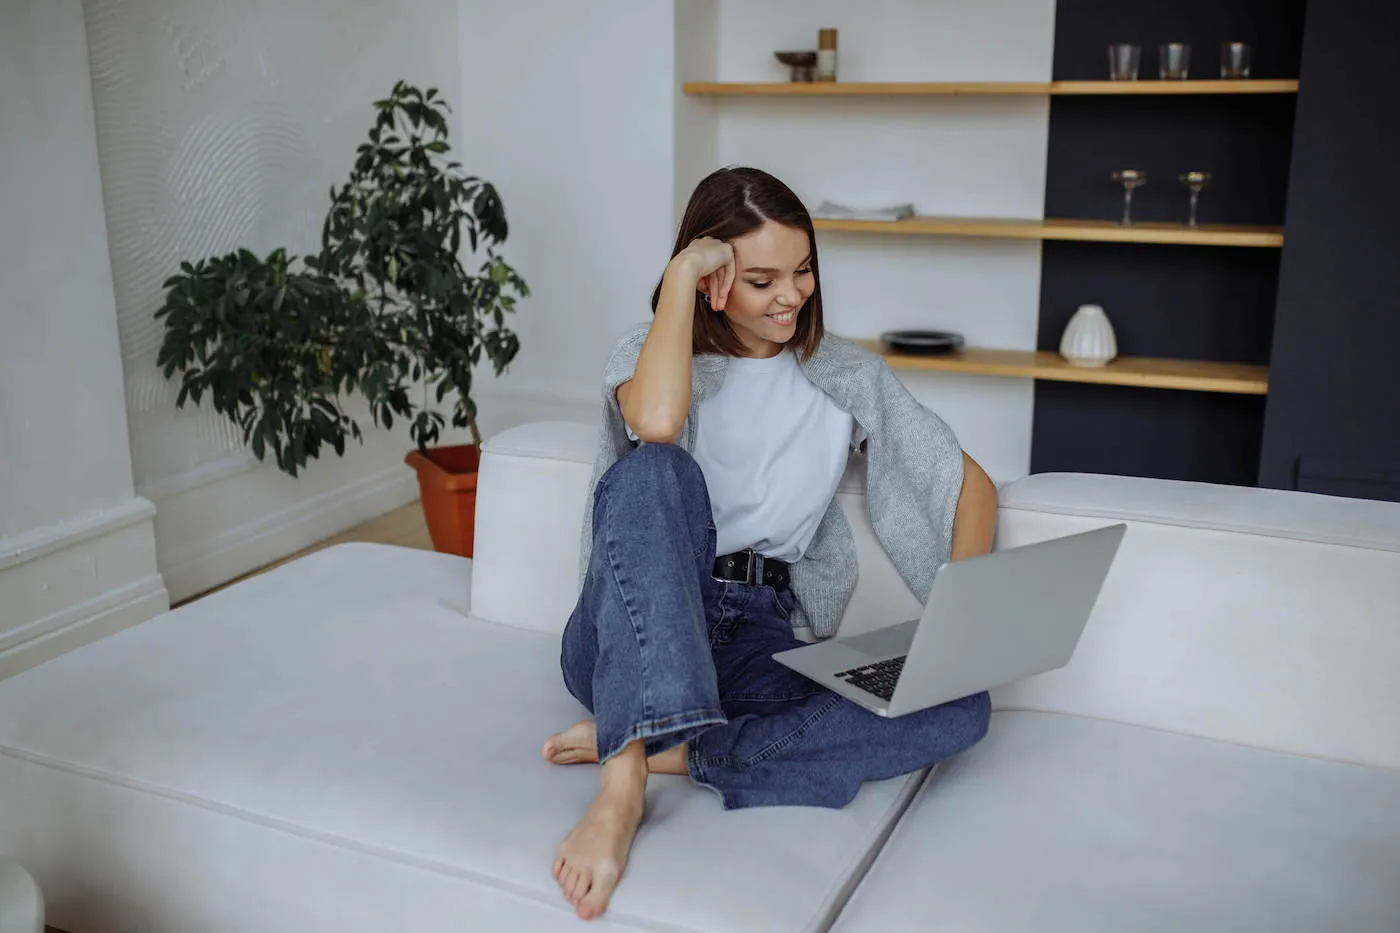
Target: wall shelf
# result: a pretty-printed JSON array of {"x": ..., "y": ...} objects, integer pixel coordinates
[
  {"x": 1159, "y": 87},
  {"x": 977, "y": 88},
  {"x": 1142, "y": 372},
  {"x": 1103, "y": 231}
]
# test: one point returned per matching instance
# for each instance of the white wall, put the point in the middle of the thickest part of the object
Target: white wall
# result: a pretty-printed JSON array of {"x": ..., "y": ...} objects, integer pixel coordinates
[
  {"x": 575, "y": 111},
  {"x": 568, "y": 109},
  {"x": 696, "y": 118},
  {"x": 76, "y": 546},
  {"x": 978, "y": 156},
  {"x": 223, "y": 125}
]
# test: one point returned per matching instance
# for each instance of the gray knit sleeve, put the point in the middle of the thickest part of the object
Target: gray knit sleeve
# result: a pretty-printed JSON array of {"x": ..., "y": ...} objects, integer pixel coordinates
[
  {"x": 613, "y": 442},
  {"x": 914, "y": 463},
  {"x": 914, "y": 481}
]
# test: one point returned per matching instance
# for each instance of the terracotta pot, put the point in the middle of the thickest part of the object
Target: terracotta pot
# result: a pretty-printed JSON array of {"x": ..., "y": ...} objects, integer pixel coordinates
[{"x": 447, "y": 488}]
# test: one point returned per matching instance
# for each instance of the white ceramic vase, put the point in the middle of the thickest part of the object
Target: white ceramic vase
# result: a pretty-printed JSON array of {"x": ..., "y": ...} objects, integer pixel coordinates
[{"x": 1088, "y": 339}]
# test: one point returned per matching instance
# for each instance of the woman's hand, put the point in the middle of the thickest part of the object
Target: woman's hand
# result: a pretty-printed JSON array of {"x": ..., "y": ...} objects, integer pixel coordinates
[{"x": 712, "y": 263}]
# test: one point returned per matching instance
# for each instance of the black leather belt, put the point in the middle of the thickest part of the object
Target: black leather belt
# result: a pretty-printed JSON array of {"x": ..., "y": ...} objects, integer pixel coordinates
[{"x": 753, "y": 569}]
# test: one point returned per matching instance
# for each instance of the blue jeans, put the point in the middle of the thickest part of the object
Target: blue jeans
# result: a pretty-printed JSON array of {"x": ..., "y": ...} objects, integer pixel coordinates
[{"x": 659, "y": 650}]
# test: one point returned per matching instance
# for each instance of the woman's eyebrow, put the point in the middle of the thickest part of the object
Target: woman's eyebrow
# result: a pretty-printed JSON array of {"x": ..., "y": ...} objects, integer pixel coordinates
[{"x": 771, "y": 271}]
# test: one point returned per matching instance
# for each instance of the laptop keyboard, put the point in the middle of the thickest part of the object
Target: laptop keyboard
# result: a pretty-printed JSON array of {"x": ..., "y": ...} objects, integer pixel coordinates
[{"x": 878, "y": 678}]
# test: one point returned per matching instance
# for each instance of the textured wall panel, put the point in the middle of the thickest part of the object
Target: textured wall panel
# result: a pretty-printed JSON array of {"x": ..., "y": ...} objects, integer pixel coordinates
[{"x": 223, "y": 125}]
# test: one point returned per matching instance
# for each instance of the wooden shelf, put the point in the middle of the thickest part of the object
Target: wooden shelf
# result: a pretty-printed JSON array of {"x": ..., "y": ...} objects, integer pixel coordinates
[
  {"x": 1249, "y": 86},
  {"x": 1104, "y": 231},
  {"x": 865, "y": 89},
  {"x": 973, "y": 88},
  {"x": 1143, "y": 372}
]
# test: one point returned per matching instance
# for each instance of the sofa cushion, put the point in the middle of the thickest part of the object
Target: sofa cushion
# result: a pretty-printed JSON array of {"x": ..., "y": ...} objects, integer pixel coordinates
[
  {"x": 1060, "y": 823},
  {"x": 1257, "y": 616},
  {"x": 336, "y": 745}
]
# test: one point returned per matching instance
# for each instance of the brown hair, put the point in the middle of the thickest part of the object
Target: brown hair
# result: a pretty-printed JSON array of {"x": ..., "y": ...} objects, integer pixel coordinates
[{"x": 729, "y": 203}]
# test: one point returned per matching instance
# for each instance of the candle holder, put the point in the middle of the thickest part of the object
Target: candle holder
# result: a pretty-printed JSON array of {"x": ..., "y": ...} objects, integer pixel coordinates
[
  {"x": 1194, "y": 181},
  {"x": 803, "y": 64},
  {"x": 1130, "y": 179}
]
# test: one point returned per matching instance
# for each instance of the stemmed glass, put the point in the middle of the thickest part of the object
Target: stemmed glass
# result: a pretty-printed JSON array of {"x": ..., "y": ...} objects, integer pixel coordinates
[
  {"x": 1194, "y": 181},
  {"x": 1129, "y": 178}
]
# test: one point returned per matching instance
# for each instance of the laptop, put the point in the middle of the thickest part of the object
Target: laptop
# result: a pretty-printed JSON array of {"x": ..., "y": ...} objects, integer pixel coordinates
[{"x": 989, "y": 621}]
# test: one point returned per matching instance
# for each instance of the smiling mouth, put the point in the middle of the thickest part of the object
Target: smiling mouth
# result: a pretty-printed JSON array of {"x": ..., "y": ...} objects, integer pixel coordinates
[{"x": 785, "y": 317}]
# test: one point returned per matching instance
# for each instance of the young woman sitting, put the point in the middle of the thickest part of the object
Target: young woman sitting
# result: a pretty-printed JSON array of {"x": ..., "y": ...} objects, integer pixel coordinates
[{"x": 714, "y": 538}]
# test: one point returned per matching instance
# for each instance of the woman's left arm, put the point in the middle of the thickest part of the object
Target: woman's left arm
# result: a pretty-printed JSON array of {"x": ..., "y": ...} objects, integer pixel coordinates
[{"x": 975, "y": 520}]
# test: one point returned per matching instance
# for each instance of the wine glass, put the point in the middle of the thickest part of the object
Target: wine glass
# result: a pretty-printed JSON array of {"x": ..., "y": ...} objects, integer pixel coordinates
[
  {"x": 1195, "y": 181},
  {"x": 1129, "y": 178}
]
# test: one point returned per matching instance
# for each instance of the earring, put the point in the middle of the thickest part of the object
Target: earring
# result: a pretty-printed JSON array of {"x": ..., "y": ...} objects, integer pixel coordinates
[{"x": 707, "y": 299}]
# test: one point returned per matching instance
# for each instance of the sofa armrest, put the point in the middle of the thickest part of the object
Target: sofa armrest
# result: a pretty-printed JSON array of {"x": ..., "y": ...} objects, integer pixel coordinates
[{"x": 531, "y": 492}]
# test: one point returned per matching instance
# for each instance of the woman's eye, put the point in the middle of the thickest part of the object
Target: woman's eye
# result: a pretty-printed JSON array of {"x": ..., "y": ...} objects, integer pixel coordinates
[
  {"x": 760, "y": 284},
  {"x": 804, "y": 271}
]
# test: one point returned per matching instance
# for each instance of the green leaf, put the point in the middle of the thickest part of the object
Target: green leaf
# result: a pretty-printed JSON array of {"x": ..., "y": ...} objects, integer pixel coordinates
[{"x": 384, "y": 308}]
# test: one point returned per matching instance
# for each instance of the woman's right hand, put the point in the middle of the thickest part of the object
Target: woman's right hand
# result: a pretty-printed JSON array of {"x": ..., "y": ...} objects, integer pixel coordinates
[{"x": 712, "y": 263}]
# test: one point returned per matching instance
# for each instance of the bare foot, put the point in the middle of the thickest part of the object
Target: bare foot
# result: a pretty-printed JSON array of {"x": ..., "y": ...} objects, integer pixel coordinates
[
  {"x": 592, "y": 857},
  {"x": 578, "y": 744}
]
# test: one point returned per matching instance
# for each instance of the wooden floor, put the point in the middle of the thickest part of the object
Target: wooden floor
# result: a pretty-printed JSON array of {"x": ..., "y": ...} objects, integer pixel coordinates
[{"x": 404, "y": 526}]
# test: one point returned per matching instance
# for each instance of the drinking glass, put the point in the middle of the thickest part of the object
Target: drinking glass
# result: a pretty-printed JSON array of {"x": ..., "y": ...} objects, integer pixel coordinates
[
  {"x": 1129, "y": 178},
  {"x": 1123, "y": 60},
  {"x": 1194, "y": 181},
  {"x": 1175, "y": 60},
  {"x": 1235, "y": 59}
]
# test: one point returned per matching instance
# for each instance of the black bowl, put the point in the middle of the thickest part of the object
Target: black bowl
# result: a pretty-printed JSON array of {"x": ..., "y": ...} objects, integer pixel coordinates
[{"x": 922, "y": 342}]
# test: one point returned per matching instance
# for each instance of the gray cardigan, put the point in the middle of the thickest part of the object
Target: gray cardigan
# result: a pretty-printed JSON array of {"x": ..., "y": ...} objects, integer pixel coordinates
[{"x": 914, "y": 472}]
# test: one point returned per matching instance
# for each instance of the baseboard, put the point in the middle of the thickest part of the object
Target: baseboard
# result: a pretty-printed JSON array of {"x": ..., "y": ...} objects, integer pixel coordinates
[
  {"x": 64, "y": 586},
  {"x": 94, "y": 619},
  {"x": 201, "y": 564},
  {"x": 225, "y": 519}
]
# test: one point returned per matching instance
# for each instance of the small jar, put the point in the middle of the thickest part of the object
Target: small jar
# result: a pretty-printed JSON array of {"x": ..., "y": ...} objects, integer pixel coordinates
[{"x": 826, "y": 55}]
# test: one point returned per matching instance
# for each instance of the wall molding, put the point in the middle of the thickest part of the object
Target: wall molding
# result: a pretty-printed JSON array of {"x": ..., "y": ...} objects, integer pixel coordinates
[
  {"x": 48, "y": 539},
  {"x": 84, "y": 623},
  {"x": 215, "y": 559},
  {"x": 63, "y": 586},
  {"x": 199, "y": 550}
]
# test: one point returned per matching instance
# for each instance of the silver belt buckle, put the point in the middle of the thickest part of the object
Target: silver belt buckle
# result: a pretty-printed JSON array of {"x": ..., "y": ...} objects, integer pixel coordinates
[{"x": 748, "y": 580}]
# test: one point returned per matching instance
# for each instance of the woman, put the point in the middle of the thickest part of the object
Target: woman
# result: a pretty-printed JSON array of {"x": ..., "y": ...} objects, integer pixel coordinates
[{"x": 728, "y": 422}]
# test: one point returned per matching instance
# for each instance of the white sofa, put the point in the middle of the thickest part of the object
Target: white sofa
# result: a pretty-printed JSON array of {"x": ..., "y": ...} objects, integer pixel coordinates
[{"x": 352, "y": 743}]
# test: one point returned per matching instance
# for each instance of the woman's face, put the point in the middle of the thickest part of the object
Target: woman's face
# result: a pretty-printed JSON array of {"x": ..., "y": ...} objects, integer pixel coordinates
[{"x": 773, "y": 278}]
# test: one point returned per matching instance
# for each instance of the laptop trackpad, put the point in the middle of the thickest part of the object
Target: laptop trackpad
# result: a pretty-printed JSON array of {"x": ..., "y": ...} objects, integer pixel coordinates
[{"x": 886, "y": 642}]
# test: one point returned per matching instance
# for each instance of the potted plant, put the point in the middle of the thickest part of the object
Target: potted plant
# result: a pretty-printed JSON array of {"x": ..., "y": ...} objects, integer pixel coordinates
[{"x": 386, "y": 310}]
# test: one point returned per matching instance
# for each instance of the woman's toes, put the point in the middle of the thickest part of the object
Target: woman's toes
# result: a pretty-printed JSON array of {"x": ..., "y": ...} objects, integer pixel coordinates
[{"x": 580, "y": 886}]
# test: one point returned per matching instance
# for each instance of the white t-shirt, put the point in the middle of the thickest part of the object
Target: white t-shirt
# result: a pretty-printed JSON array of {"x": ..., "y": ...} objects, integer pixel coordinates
[{"x": 773, "y": 448}]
